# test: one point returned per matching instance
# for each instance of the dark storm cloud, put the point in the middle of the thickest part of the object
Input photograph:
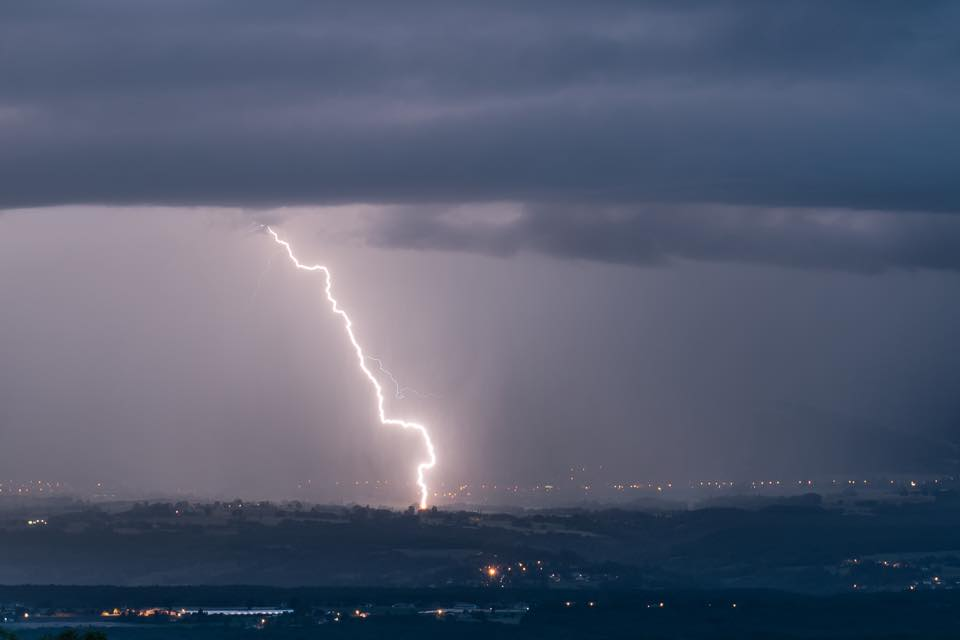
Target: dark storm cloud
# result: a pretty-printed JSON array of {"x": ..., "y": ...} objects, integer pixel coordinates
[
  {"x": 614, "y": 106},
  {"x": 861, "y": 241},
  {"x": 818, "y": 104}
]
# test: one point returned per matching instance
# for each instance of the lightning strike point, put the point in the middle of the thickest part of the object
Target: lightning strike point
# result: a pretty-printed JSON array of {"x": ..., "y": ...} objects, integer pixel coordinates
[{"x": 431, "y": 461}]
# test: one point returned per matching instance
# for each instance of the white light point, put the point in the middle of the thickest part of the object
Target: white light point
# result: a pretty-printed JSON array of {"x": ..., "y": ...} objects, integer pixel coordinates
[{"x": 423, "y": 467}]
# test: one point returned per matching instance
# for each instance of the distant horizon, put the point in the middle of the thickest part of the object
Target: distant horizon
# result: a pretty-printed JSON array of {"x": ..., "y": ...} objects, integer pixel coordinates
[{"x": 511, "y": 496}]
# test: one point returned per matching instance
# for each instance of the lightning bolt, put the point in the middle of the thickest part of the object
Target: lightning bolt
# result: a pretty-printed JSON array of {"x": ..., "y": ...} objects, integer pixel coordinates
[{"x": 423, "y": 467}]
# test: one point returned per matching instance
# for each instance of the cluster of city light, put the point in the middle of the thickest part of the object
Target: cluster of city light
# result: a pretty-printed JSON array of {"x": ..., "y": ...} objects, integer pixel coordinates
[
  {"x": 466, "y": 490},
  {"x": 38, "y": 486},
  {"x": 149, "y": 612},
  {"x": 498, "y": 573},
  {"x": 431, "y": 461}
]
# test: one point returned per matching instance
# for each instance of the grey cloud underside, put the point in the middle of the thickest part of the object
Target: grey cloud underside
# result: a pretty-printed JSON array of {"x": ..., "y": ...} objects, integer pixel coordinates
[
  {"x": 859, "y": 241},
  {"x": 840, "y": 105}
]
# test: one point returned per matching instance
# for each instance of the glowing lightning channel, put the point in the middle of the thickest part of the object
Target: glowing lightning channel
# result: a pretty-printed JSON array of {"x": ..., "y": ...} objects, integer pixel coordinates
[{"x": 423, "y": 467}]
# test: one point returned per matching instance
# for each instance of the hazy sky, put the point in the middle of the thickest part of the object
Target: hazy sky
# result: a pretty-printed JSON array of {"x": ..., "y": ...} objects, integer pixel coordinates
[{"x": 720, "y": 238}]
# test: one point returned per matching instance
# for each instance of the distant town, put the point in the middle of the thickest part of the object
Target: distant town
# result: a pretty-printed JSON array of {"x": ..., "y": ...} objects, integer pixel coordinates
[{"x": 581, "y": 486}]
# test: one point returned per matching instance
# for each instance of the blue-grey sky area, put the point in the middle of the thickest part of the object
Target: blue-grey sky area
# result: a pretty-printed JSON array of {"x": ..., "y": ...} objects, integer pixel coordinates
[{"x": 676, "y": 239}]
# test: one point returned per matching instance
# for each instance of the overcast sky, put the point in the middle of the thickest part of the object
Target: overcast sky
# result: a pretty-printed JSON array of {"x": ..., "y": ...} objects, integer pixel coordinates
[{"x": 679, "y": 240}]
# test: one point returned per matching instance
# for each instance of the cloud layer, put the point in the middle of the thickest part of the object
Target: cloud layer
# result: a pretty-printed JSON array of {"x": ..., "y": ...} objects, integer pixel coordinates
[
  {"x": 840, "y": 104},
  {"x": 632, "y": 111},
  {"x": 851, "y": 240}
]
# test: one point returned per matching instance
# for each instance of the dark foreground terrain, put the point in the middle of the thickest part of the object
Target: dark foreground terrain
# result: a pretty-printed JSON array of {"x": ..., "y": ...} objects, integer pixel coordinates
[
  {"x": 862, "y": 542},
  {"x": 851, "y": 565},
  {"x": 560, "y": 614}
]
